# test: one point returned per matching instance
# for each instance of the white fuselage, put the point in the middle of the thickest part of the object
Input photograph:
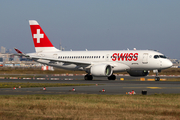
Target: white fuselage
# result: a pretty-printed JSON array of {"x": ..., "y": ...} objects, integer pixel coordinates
[{"x": 120, "y": 60}]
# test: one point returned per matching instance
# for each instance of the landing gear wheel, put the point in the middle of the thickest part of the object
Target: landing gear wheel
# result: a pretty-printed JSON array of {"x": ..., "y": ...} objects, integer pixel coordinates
[
  {"x": 157, "y": 78},
  {"x": 88, "y": 77},
  {"x": 112, "y": 77}
]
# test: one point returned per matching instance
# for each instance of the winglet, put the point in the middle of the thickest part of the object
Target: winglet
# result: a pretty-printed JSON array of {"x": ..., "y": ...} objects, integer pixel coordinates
[{"x": 18, "y": 51}]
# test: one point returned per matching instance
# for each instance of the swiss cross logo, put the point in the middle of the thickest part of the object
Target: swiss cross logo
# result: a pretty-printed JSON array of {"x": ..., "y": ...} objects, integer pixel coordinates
[{"x": 38, "y": 35}]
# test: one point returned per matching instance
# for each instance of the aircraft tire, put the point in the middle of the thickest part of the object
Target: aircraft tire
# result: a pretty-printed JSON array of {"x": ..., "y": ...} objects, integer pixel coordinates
[
  {"x": 112, "y": 77},
  {"x": 157, "y": 78},
  {"x": 88, "y": 77}
]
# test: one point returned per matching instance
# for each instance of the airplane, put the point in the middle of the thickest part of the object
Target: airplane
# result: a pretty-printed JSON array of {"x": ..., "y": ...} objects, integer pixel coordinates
[{"x": 95, "y": 63}]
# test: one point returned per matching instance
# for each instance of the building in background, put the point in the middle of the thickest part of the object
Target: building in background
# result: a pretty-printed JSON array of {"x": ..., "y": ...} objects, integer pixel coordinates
[
  {"x": 3, "y": 50},
  {"x": 8, "y": 59}
]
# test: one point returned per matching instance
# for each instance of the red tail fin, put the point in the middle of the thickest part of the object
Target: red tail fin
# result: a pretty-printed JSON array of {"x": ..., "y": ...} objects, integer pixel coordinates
[{"x": 41, "y": 41}]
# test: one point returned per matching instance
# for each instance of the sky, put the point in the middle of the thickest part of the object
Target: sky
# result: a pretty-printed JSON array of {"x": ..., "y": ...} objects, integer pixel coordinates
[{"x": 94, "y": 24}]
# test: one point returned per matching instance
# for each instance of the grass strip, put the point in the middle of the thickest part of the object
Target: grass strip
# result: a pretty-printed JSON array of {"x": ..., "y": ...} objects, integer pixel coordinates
[
  {"x": 28, "y": 85},
  {"x": 83, "y": 106}
]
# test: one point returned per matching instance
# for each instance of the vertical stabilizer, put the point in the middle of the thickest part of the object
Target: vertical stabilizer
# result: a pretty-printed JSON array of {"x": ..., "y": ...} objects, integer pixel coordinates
[{"x": 41, "y": 41}]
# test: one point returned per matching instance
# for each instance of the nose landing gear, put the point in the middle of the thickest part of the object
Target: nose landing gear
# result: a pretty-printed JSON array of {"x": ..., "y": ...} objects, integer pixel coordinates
[{"x": 157, "y": 78}]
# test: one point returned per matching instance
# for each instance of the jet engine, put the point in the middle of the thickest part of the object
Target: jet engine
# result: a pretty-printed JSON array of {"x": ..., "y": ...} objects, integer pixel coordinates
[
  {"x": 103, "y": 70},
  {"x": 137, "y": 73}
]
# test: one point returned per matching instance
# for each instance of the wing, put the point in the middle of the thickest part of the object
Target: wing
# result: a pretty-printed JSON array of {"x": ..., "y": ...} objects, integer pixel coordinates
[
  {"x": 80, "y": 63},
  {"x": 60, "y": 60}
]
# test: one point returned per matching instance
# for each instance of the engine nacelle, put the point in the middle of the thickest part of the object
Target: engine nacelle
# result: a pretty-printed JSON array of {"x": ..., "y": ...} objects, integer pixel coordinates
[
  {"x": 138, "y": 73},
  {"x": 103, "y": 70}
]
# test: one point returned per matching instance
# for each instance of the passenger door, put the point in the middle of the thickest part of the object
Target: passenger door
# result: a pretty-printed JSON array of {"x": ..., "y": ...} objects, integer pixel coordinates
[{"x": 145, "y": 58}]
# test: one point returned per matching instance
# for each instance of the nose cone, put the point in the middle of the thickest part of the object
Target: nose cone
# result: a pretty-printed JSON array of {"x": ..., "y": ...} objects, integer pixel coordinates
[{"x": 168, "y": 64}]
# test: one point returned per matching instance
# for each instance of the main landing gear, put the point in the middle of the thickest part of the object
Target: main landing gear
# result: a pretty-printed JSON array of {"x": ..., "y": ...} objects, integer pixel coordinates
[
  {"x": 112, "y": 77},
  {"x": 157, "y": 78},
  {"x": 88, "y": 77}
]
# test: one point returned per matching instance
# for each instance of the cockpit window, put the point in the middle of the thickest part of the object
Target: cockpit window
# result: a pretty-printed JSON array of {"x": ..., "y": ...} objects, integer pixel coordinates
[
  {"x": 162, "y": 56},
  {"x": 156, "y": 56},
  {"x": 159, "y": 56}
]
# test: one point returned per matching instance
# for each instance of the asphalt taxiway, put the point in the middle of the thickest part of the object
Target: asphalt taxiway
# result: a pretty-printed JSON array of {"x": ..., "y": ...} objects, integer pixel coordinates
[{"x": 120, "y": 87}]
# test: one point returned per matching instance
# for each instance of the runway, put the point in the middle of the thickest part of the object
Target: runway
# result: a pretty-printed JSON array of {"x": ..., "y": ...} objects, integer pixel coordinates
[{"x": 119, "y": 87}]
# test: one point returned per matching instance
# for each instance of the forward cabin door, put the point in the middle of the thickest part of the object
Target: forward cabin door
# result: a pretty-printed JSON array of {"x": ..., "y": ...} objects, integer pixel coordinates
[{"x": 145, "y": 58}]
